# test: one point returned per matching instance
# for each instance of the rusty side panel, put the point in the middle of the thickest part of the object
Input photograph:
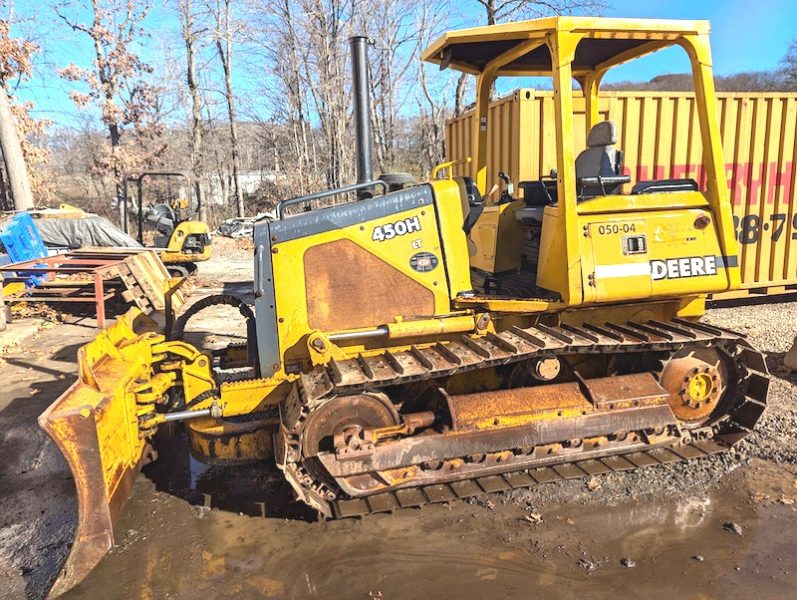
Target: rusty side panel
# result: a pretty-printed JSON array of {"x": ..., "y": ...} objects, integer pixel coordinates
[
  {"x": 628, "y": 391},
  {"x": 485, "y": 410},
  {"x": 348, "y": 287},
  {"x": 518, "y": 406}
]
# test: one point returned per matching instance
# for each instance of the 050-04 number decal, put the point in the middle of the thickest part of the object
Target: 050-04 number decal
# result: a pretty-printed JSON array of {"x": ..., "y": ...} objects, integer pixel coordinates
[
  {"x": 390, "y": 230},
  {"x": 748, "y": 229},
  {"x": 616, "y": 228}
]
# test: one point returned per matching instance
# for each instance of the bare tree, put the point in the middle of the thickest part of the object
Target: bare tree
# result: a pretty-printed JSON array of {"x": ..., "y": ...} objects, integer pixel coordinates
[
  {"x": 117, "y": 82},
  {"x": 432, "y": 109},
  {"x": 504, "y": 10},
  {"x": 313, "y": 86},
  {"x": 190, "y": 39},
  {"x": 392, "y": 25},
  {"x": 15, "y": 62},
  {"x": 789, "y": 66},
  {"x": 223, "y": 35},
  {"x": 290, "y": 94},
  {"x": 459, "y": 94},
  {"x": 16, "y": 170},
  {"x": 328, "y": 24}
]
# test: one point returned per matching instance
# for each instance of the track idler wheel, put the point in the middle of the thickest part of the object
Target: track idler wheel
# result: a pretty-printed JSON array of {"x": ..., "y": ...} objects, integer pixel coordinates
[
  {"x": 343, "y": 418},
  {"x": 696, "y": 381}
]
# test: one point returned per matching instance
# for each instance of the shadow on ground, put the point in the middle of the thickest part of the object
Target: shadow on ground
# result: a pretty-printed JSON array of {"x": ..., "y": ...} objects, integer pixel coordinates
[{"x": 255, "y": 489}]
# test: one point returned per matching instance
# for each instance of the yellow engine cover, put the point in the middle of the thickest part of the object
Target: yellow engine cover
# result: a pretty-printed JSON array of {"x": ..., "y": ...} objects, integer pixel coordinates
[{"x": 669, "y": 251}]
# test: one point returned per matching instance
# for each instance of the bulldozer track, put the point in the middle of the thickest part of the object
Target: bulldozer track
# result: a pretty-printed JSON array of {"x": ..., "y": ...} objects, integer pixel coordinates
[
  {"x": 468, "y": 488},
  {"x": 470, "y": 352}
]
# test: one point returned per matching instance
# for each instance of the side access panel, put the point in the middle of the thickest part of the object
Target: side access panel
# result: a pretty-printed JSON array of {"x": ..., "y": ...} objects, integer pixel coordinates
[
  {"x": 620, "y": 268},
  {"x": 349, "y": 266}
]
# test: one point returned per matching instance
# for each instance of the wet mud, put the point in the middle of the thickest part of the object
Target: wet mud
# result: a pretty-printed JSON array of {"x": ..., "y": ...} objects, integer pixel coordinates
[
  {"x": 37, "y": 494},
  {"x": 193, "y": 531}
]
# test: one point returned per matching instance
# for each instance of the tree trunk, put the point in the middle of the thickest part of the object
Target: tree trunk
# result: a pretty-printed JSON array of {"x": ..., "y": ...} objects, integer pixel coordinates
[
  {"x": 459, "y": 95},
  {"x": 189, "y": 37},
  {"x": 6, "y": 201},
  {"x": 12, "y": 156},
  {"x": 121, "y": 200},
  {"x": 225, "y": 54}
]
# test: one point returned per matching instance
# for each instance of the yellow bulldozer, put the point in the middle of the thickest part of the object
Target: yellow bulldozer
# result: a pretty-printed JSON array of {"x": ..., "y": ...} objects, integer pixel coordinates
[{"x": 456, "y": 337}]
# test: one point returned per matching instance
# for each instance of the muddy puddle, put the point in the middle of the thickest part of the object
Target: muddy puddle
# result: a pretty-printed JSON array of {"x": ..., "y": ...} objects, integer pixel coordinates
[{"x": 196, "y": 532}]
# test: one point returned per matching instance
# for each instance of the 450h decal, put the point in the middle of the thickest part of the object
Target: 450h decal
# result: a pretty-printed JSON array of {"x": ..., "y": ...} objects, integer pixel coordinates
[{"x": 390, "y": 230}]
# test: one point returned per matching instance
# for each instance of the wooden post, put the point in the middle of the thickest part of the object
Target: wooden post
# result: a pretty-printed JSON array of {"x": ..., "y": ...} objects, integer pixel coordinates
[{"x": 99, "y": 298}]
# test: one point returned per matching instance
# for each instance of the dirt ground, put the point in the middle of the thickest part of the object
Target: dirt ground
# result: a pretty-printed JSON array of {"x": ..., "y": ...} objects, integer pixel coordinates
[{"x": 721, "y": 527}]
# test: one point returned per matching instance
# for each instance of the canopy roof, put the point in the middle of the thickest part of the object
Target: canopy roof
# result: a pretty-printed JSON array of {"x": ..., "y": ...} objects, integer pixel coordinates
[{"x": 606, "y": 42}]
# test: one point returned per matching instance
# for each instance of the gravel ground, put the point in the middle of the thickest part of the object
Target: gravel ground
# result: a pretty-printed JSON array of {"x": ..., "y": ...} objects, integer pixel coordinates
[{"x": 771, "y": 328}]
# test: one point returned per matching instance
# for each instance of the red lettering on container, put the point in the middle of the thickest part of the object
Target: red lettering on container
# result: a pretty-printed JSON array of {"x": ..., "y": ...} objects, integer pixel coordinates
[{"x": 749, "y": 184}]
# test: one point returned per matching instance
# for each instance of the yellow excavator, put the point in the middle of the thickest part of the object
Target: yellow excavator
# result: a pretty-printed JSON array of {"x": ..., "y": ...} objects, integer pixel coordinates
[
  {"x": 181, "y": 242},
  {"x": 444, "y": 340}
]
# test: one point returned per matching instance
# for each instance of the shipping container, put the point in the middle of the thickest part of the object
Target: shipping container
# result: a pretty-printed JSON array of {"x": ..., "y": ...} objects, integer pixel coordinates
[{"x": 658, "y": 132}]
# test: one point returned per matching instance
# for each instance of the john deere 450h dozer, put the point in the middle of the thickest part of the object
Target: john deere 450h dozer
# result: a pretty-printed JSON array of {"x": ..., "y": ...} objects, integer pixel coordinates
[{"x": 435, "y": 342}]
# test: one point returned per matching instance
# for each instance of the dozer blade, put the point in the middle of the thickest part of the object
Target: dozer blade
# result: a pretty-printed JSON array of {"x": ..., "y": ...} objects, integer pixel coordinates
[{"x": 95, "y": 425}]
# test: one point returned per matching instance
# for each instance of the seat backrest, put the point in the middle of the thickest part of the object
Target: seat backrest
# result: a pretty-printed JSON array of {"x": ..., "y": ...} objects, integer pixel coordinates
[{"x": 601, "y": 158}]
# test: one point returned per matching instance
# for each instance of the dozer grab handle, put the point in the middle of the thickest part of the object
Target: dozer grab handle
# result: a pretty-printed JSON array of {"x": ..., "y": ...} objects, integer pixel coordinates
[
  {"x": 609, "y": 180},
  {"x": 281, "y": 206},
  {"x": 447, "y": 167}
]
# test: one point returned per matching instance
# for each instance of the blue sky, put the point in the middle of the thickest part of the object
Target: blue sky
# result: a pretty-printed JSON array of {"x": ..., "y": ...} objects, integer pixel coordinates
[{"x": 745, "y": 36}]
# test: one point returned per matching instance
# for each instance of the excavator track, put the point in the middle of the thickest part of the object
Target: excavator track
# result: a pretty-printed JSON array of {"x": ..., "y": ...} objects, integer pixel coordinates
[{"x": 468, "y": 353}]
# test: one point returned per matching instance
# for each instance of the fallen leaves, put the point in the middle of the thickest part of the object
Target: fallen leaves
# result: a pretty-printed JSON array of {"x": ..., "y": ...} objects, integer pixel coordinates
[{"x": 532, "y": 518}]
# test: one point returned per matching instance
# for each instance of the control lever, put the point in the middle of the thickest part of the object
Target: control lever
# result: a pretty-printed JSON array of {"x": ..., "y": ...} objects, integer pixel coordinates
[{"x": 509, "y": 190}]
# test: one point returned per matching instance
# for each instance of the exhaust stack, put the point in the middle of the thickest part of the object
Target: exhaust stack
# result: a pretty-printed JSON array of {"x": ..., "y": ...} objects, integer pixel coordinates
[{"x": 362, "y": 110}]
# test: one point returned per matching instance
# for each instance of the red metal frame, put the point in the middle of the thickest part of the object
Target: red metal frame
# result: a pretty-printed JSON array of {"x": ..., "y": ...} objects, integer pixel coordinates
[{"x": 99, "y": 269}]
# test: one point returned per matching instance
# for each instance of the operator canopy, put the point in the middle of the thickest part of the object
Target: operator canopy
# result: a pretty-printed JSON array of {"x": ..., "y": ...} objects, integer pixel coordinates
[{"x": 606, "y": 43}]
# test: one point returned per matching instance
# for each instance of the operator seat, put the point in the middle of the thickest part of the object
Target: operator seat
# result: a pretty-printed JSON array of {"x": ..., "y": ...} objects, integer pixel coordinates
[{"x": 600, "y": 159}]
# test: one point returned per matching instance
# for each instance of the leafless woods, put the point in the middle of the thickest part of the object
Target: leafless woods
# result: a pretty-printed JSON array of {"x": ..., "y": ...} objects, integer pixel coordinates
[{"x": 252, "y": 96}]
